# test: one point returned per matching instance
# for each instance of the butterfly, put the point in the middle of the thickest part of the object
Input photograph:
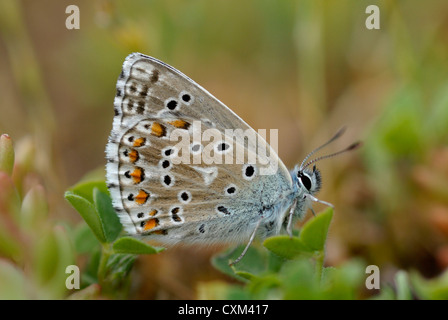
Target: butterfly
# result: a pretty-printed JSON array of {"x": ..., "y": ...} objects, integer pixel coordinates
[{"x": 175, "y": 192}]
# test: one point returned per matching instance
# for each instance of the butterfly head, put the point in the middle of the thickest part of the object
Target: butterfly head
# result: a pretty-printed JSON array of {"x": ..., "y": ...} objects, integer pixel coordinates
[{"x": 309, "y": 181}]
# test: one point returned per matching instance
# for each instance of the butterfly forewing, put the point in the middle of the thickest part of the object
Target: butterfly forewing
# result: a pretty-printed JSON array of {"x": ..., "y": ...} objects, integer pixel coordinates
[{"x": 185, "y": 188}]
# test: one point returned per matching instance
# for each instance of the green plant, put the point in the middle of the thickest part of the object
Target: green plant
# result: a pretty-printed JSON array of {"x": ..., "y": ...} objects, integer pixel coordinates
[
  {"x": 35, "y": 249},
  {"x": 111, "y": 255},
  {"x": 291, "y": 268}
]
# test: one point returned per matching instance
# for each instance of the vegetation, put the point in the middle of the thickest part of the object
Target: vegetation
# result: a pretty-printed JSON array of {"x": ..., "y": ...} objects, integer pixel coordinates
[{"x": 304, "y": 67}]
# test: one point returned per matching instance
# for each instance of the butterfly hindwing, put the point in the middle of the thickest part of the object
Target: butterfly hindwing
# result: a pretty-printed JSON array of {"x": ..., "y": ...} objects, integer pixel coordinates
[{"x": 175, "y": 191}]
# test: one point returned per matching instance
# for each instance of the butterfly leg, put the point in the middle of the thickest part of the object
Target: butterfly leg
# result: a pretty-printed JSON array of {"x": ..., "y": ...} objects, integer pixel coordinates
[
  {"x": 312, "y": 198},
  {"x": 228, "y": 254},
  {"x": 252, "y": 237},
  {"x": 291, "y": 212}
]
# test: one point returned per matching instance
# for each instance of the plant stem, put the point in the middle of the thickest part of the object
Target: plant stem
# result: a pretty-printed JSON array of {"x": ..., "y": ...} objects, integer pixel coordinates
[
  {"x": 102, "y": 268},
  {"x": 319, "y": 258}
]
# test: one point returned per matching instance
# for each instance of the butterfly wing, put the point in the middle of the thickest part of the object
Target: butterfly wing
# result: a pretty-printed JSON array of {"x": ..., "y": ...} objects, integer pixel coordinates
[{"x": 178, "y": 171}]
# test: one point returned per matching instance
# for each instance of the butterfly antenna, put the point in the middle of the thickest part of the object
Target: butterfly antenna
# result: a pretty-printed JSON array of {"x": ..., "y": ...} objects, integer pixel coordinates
[
  {"x": 351, "y": 147},
  {"x": 336, "y": 136}
]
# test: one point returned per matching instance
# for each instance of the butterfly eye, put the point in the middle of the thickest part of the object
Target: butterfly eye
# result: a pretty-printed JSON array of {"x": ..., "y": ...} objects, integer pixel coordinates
[{"x": 306, "y": 182}]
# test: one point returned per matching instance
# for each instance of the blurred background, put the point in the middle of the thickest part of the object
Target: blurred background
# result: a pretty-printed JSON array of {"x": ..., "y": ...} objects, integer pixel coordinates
[{"x": 305, "y": 67}]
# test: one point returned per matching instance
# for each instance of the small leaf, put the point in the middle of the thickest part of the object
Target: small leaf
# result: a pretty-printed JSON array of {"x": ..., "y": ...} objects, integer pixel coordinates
[
  {"x": 430, "y": 289},
  {"x": 221, "y": 262},
  {"x": 45, "y": 253},
  {"x": 85, "y": 189},
  {"x": 343, "y": 282},
  {"x": 87, "y": 210},
  {"x": 6, "y": 154},
  {"x": 261, "y": 286},
  {"x": 34, "y": 209},
  {"x": 65, "y": 257},
  {"x": 298, "y": 280},
  {"x": 246, "y": 275},
  {"x": 220, "y": 290},
  {"x": 84, "y": 239},
  {"x": 253, "y": 263},
  {"x": 314, "y": 232},
  {"x": 386, "y": 293},
  {"x": 110, "y": 222},
  {"x": 90, "y": 273},
  {"x": 90, "y": 292},
  {"x": 14, "y": 283},
  {"x": 403, "y": 287},
  {"x": 10, "y": 246},
  {"x": 134, "y": 246},
  {"x": 286, "y": 247}
]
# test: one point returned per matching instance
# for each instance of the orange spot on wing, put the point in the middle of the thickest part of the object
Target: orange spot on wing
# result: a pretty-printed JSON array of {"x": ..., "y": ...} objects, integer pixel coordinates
[
  {"x": 151, "y": 224},
  {"x": 138, "y": 175},
  {"x": 153, "y": 213},
  {"x": 158, "y": 130},
  {"x": 181, "y": 124},
  {"x": 133, "y": 156},
  {"x": 139, "y": 142},
  {"x": 142, "y": 197}
]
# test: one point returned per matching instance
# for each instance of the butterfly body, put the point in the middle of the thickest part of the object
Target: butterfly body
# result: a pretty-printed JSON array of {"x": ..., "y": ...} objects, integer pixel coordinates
[{"x": 165, "y": 175}]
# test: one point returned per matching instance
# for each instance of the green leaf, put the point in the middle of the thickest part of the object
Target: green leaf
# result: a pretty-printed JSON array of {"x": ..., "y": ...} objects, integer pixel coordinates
[
  {"x": 286, "y": 247},
  {"x": 260, "y": 287},
  {"x": 14, "y": 283},
  {"x": 109, "y": 220},
  {"x": 219, "y": 290},
  {"x": 87, "y": 210},
  {"x": 431, "y": 289},
  {"x": 221, "y": 262},
  {"x": 117, "y": 282},
  {"x": 254, "y": 263},
  {"x": 403, "y": 288},
  {"x": 45, "y": 254},
  {"x": 85, "y": 189},
  {"x": 52, "y": 254},
  {"x": 34, "y": 209},
  {"x": 343, "y": 282},
  {"x": 314, "y": 232},
  {"x": 386, "y": 293},
  {"x": 10, "y": 246},
  {"x": 246, "y": 275},
  {"x": 311, "y": 238},
  {"x": 90, "y": 273},
  {"x": 119, "y": 265},
  {"x": 6, "y": 154},
  {"x": 134, "y": 246},
  {"x": 84, "y": 239},
  {"x": 298, "y": 280}
]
